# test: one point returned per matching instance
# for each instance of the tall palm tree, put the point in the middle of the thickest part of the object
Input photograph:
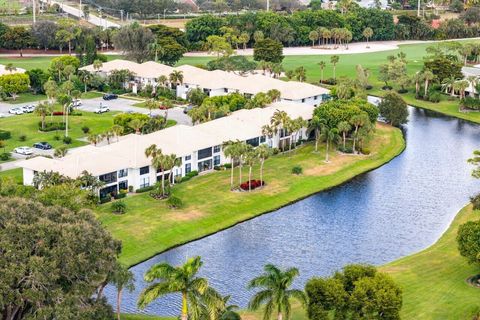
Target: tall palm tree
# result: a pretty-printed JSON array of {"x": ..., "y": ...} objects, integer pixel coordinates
[
  {"x": 155, "y": 47},
  {"x": 230, "y": 150},
  {"x": 280, "y": 121},
  {"x": 448, "y": 84},
  {"x": 417, "y": 78},
  {"x": 182, "y": 279},
  {"x": 344, "y": 127},
  {"x": 250, "y": 158},
  {"x": 163, "y": 80},
  {"x": 60, "y": 152},
  {"x": 137, "y": 125},
  {"x": 275, "y": 293},
  {"x": 172, "y": 161},
  {"x": 316, "y": 125},
  {"x": 43, "y": 110},
  {"x": 461, "y": 86},
  {"x": 296, "y": 126},
  {"x": 269, "y": 131},
  {"x": 122, "y": 278},
  {"x": 93, "y": 138},
  {"x": 151, "y": 104},
  {"x": 274, "y": 95},
  {"x": 263, "y": 152},
  {"x": 301, "y": 74},
  {"x": 358, "y": 121},
  {"x": 158, "y": 162},
  {"x": 242, "y": 149},
  {"x": 427, "y": 77},
  {"x": 367, "y": 33},
  {"x": 334, "y": 60},
  {"x": 330, "y": 135},
  {"x": 108, "y": 135},
  {"x": 97, "y": 65},
  {"x": 117, "y": 131},
  {"x": 85, "y": 77},
  {"x": 176, "y": 77},
  {"x": 213, "y": 306},
  {"x": 322, "y": 65}
]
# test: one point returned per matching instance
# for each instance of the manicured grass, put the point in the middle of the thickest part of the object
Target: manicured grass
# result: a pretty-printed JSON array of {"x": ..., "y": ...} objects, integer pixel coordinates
[
  {"x": 43, "y": 62},
  {"x": 16, "y": 174},
  {"x": 26, "y": 98},
  {"x": 27, "y": 124},
  {"x": 150, "y": 227},
  {"x": 433, "y": 280}
]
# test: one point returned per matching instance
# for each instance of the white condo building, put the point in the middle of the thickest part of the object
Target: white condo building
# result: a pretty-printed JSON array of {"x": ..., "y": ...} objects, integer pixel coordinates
[{"x": 123, "y": 164}]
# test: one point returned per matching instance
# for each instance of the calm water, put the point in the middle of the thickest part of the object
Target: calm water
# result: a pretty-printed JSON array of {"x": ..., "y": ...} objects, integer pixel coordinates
[{"x": 388, "y": 213}]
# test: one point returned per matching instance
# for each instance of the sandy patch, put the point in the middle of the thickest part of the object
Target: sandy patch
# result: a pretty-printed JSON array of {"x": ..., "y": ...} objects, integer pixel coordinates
[{"x": 181, "y": 215}]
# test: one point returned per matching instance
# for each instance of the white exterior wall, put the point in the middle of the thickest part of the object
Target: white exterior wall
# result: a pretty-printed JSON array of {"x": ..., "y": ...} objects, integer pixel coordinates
[{"x": 28, "y": 177}]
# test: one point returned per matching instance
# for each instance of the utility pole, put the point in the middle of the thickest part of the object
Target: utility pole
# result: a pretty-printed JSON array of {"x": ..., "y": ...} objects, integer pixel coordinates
[
  {"x": 81, "y": 11},
  {"x": 268, "y": 5},
  {"x": 34, "y": 12},
  {"x": 418, "y": 9},
  {"x": 121, "y": 15}
]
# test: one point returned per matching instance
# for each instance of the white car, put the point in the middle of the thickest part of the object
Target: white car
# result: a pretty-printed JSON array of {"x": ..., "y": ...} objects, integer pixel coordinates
[
  {"x": 15, "y": 111},
  {"x": 101, "y": 109},
  {"x": 23, "y": 150},
  {"x": 28, "y": 108}
]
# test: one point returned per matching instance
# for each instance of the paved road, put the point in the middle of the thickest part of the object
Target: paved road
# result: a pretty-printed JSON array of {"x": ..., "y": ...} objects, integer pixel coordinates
[
  {"x": 127, "y": 105},
  {"x": 93, "y": 19}
]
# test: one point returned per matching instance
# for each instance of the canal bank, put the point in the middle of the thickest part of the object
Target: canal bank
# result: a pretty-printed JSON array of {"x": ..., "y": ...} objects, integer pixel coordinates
[{"x": 388, "y": 213}]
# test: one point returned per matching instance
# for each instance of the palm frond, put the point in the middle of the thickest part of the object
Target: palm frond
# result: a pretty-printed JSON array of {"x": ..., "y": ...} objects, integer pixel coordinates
[{"x": 151, "y": 293}]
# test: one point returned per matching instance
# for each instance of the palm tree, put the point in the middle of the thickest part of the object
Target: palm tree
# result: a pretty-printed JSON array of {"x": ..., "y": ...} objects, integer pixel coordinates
[
  {"x": 367, "y": 33},
  {"x": 230, "y": 150},
  {"x": 171, "y": 161},
  {"x": 427, "y": 76},
  {"x": 250, "y": 158},
  {"x": 358, "y": 121},
  {"x": 137, "y": 125},
  {"x": 51, "y": 89},
  {"x": 10, "y": 67},
  {"x": 448, "y": 84},
  {"x": 313, "y": 36},
  {"x": 268, "y": 131},
  {"x": 108, "y": 135},
  {"x": 156, "y": 48},
  {"x": 322, "y": 65},
  {"x": 344, "y": 127},
  {"x": 241, "y": 153},
  {"x": 176, "y": 77},
  {"x": 215, "y": 307},
  {"x": 122, "y": 279},
  {"x": 65, "y": 100},
  {"x": 301, "y": 74},
  {"x": 97, "y": 65},
  {"x": 330, "y": 135},
  {"x": 274, "y": 95},
  {"x": 163, "y": 80},
  {"x": 334, "y": 60},
  {"x": 275, "y": 293},
  {"x": 43, "y": 110},
  {"x": 417, "y": 78},
  {"x": 172, "y": 279},
  {"x": 263, "y": 152},
  {"x": 85, "y": 77},
  {"x": 280, "y": 120},
  {"x": 151, "y": 104},
  {"x": 461, "y": 86},
  {"x": 158, "y": 162},
  {"x": 93, "y": 138},
  {"x": 117, "y": 131},
  {"x": 316, "y": 125}
]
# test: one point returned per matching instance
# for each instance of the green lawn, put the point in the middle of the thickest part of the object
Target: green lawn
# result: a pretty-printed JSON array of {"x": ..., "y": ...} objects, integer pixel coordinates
[
  {"x": 16, "y": 174},
  {"x": 433, "y": 280},
  {"x": 149, "y": 227},
  {"x": 27, "y": 124}
]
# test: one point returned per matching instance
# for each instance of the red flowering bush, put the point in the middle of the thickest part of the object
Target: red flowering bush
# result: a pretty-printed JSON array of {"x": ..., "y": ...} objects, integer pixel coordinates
[
  {"x": 252, "y": 183},
  {"x": 57, "y": 113}
]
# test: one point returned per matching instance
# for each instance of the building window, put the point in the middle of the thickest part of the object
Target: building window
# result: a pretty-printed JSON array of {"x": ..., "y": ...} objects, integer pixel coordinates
[
  {"x": 216, "y": 149},
  {"x": 263, "y": 139},
  {"x": 315, "y": 98},
  {"x": 144, "y": 170},
  {"x": 205, "y": 165},
  {"x": 188, "y": 158},
  {"x": 225, "y": 90},
  {"x": 123, "y": 173},
  {"x": 216, "y": 160},
  {"x": 188, "y": 168},
  {"x": 123, "y": 185},
  {"x": 144, "y": 182},
  {"x": 204, "y": 153},
  {"x": 303, "y": 100},
  {"x": 254, "y": 142},
  {"x": 108, "y": 178}
]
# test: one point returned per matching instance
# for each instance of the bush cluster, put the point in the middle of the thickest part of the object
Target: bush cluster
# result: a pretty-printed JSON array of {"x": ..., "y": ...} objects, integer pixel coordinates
[
  {"x": 470, "y": 103},
  {"x": 145, "y": 189},
  {"x": 51, "y": 126},
  {"x": 119, "y": 207},
  {"x": 251, "y": 185},
  {"x": 5, "y": 135},
  {"x": 4, "y": 156},
  {"x": 297, "y": 170},
  {"x": 174, "y": 202},
  {"x": 189, "y": 176}
]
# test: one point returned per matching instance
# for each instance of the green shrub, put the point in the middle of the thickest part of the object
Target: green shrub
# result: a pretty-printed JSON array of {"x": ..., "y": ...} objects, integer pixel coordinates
[
  {"x": 119, "y": 207},
  {"x": 105, "y": 199},
  {"x": 4, "y": 156},
  {"x": 227, "y": 165},
  {"x": 475, "y": 200},
  {"x": 56, "y": 137},
  {"x": 174, "y": 202},
  {"x": 130, "y": 188},
  {"x": 297, "y": 170},
  {"x": 366, "y": 151},
  {"x": 217, "y": 168},
  {"x": 85, "y": 129},
  {"x": 22, "y": 138},
  {"x": 470, "y": 103},
  {"x": 434, "y": 97},
  {"x": 5, "y": 135},
  {"x": 67, "y": 140},
  {"x": 347, "y": 149},
  {"x": 142, "y": 190},
  {"x": 51, "y": 126},
  {"x": 120, "y": 195}
]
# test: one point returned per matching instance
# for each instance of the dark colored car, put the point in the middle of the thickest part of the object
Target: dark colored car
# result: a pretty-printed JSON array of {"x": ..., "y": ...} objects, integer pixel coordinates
[
  {"x": 42, "y": 145},
  {"x": 109, "y": 96}
]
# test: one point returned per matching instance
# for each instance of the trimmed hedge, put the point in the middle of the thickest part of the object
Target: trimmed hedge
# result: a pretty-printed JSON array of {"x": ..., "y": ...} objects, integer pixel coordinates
[
  {"x": 253, "y": 184},
  {"x": 5, "y": 135},
  {"x": 146, "y": 189}
]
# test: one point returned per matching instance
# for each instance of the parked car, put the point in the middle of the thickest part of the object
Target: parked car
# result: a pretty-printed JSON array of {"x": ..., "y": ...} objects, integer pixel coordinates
[
  {"x": 109, "y": 96},
  {"x": 101, "y": 109},
  {"x": 15, "y": 111},
  {"x": 42, "y": 145},
  {"x": 187, "y": 109},
  {"x": 28, "y": 108},
  {"x": 23, "y": 150}
]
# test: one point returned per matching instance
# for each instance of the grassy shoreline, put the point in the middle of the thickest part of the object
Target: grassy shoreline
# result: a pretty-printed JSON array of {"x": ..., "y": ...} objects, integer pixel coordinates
[{"x": 149, "y": 227}]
